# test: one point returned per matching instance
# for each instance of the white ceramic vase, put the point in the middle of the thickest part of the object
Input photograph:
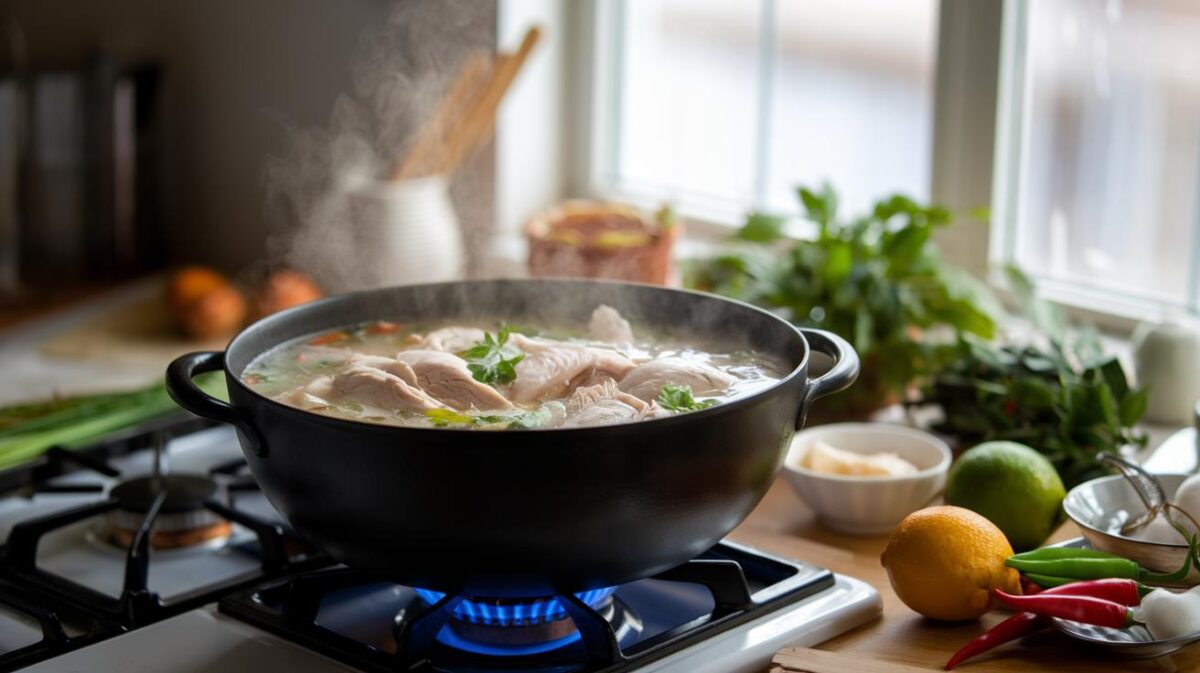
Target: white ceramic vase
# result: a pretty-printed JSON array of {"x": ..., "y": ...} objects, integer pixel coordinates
[
  {"x": 1167, "y": 359},
  {"x": 406, "y": 232}
]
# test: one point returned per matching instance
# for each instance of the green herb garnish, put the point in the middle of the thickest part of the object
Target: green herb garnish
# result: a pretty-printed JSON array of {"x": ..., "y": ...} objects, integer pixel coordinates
[
  {"x": 674, "y": 397},
  {"x": 530, "y": 419},
  {"x": 490, "y": 361}
]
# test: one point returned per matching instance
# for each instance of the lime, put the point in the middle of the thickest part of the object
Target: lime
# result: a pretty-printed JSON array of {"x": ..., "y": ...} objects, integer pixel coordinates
[{"x": 1012, "y": 485}]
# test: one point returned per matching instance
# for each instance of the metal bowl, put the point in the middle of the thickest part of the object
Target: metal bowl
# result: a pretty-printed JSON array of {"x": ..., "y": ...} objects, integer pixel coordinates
[
  {"x": 1134, "y": 642},
  {"x": 1101, "y": 506}
]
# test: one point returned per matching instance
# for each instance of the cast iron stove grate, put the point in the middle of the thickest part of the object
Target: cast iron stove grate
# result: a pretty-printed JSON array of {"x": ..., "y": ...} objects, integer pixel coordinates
[
  {"x": 738, "y": 584},
  {"x": 63, "y": 626},
  {"x": 138, "y": 604}
]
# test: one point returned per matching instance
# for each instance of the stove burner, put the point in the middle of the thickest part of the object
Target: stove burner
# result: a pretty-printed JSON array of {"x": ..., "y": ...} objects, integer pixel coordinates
[
  {"x": 511, "y": 612},
  {"x": 185, "y": 493},
  {"x": 183, "y": 519},
  {"x": 345, "y": 615},
  {"x": 143, "y": 516},
  {"x": 491, "y": 625}
]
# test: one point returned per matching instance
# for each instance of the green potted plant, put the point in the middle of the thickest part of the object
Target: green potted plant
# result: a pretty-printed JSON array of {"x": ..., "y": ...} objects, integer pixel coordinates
[
  {"x": 875, "y": 279},
  {"x": 1056, "y": 391}
]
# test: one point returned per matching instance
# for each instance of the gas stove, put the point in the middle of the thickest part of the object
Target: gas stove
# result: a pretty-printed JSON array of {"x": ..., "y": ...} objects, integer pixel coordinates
[{"x": 156, "y": 551}]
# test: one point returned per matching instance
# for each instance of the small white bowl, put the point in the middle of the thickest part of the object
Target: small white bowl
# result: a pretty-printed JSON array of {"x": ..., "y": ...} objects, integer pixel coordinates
[{"x": 868, "y": 505}]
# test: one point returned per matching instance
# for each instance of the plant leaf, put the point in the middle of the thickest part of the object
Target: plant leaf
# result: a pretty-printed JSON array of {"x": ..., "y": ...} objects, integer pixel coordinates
[
  {"x": 1114, "y": 375},
  {"x": 819, "y": 208},
  {"x": 906, "y": 246},
  {"x": 1133, "y": 406},
  {"x": 1040, "y": 312},
  {"x": 761, "y": 228},
  {"x": 838, "y": 264}
]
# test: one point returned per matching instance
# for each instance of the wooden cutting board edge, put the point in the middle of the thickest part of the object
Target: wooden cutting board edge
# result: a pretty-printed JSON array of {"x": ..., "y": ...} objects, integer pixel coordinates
[{"x": 807, "y": 660}]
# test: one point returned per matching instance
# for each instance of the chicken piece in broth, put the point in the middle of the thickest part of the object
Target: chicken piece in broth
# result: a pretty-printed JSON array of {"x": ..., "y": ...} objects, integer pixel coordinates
[
  {"x": 604, "y": 404},
  {"x": 552, "y": 369},
  {"x": 608, "y": 325},
  {"x": 381, "y": 390},
  {"x": 646, "y": 381},
  {"x": 445, "y": 376},
  {"x": 450, "y": 339}
]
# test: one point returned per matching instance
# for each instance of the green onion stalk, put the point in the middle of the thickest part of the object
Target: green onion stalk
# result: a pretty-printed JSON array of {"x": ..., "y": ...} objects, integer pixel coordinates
[{"x": 28, "y": 429}]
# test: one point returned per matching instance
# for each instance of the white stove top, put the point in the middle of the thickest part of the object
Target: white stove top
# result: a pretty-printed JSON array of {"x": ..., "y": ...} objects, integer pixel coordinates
[
  {"x": 206, "y": 641},
  {"x": 77, "y": 552}
]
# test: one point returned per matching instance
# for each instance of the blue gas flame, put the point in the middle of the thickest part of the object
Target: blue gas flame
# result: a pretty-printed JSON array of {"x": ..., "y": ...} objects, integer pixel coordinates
[{"x": 530, "y": 612}]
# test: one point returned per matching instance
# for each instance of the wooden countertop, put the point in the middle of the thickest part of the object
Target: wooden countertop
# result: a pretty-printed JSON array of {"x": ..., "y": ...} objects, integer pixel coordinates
[{"x": 784, "y": 525}]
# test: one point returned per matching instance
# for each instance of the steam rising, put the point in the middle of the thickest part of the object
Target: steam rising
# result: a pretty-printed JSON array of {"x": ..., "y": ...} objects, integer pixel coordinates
[{"x": 398, "y": 74}]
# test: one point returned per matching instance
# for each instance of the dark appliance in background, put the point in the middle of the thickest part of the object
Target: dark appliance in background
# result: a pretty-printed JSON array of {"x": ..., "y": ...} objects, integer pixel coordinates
[{"x": 81, "y": 193}]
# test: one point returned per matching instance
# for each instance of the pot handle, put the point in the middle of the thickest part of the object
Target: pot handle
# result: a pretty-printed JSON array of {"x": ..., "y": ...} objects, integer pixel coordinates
[
  {"x": 838, "y": 378},
  {"x": 188, "y": 395}
]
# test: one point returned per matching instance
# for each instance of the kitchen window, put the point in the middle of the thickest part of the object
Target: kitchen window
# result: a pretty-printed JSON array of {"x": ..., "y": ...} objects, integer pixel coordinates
[
  {"x": 1099, "y": 160},
  {"x": 1093, "y": 187},
  {"x": 723, "y": 106}
]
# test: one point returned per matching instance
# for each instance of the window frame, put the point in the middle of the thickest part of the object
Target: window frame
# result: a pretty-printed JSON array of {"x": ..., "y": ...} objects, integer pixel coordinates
[
  {"x": 979, "y": 109},
  {"x": 595, "y": 132},
  {"x": 1106, "y": 308}
]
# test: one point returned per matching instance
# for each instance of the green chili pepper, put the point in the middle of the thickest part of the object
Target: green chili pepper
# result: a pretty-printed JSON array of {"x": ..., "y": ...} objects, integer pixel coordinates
[
  {"x": 1049, "y": 582},
  {"x": 1054, "y": 553},
  {"x": 1078, "y": 568},
  {"x": 1090, "y": 566}
]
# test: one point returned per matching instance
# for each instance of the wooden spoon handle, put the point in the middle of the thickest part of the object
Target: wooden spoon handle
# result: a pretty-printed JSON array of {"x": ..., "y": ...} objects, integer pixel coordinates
[
  {"x": 425, "y": 151},
  {"x": 478, "y": 125}
]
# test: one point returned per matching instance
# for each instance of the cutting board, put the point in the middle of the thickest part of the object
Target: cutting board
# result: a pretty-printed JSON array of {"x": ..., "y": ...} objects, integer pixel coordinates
[
  {"x": 138, "y": 335},
  {"x": 805, "y": 660}
]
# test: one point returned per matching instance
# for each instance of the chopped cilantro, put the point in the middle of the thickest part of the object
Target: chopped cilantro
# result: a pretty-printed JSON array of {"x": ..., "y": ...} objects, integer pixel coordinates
[
  {"x": 530, "y": 419},
  {"x": 674, "y": 397}
]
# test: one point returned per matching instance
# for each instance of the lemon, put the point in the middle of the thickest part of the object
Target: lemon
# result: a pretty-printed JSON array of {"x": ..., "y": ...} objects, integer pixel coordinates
[
  {"x": 944, "y": 561},
  {"x": 1012, "y": 485}
]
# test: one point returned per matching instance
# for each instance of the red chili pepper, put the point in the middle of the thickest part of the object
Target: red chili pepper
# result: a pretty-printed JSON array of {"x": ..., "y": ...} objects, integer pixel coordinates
[
  {"x": 1085, "y": 609},
  {"x": 1017, "y": 626},
  {"x": 1125, "y": 592},
  {"x": 1117, "y": 590}
]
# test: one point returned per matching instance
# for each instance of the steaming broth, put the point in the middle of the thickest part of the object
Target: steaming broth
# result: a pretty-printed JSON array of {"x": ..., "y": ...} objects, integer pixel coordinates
[{"x": 485, "y": 376}]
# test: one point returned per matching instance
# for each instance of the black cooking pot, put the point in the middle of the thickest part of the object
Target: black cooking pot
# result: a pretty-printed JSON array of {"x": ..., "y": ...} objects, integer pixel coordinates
[{"x": 521, "y": 512}]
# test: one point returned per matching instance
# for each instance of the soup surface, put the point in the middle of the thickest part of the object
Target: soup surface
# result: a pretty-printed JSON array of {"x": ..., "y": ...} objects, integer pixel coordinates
[{"x": 496, "y": 376}]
